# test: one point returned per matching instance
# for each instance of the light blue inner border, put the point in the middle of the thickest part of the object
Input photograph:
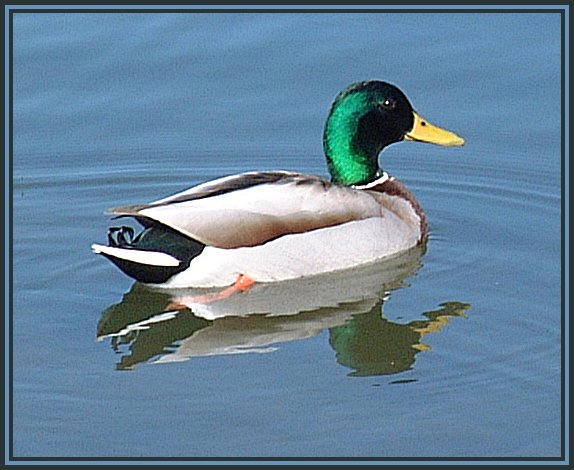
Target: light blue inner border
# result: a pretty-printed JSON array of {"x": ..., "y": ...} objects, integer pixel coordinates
[
  {"x": 7, "y": 253},
  {"x": 295, "y": 8},
  {"x": 566, "y": 170}
]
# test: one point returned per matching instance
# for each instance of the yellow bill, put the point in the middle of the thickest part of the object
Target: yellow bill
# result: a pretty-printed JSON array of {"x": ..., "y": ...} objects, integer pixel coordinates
[{"x": 424, "y": 131}]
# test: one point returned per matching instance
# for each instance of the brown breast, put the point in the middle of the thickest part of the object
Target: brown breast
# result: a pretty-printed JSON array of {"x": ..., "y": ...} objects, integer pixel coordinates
[{"x": 393, "y": 187}]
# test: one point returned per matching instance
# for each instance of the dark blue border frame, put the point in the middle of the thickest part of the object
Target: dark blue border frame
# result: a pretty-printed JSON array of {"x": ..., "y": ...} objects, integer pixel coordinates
[{"x": 560, "y": 7}]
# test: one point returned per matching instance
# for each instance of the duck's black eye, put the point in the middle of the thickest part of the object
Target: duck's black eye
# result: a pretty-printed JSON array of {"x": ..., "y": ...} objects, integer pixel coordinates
[{"x": 389, "y": 103}]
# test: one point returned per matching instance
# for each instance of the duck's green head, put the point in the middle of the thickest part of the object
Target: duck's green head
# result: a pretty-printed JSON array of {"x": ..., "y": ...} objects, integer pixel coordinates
[{"x": 364, "y": 119}]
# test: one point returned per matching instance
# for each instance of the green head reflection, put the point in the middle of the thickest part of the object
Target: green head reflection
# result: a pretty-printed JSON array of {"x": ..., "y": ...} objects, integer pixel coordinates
[{"x": 372, "y": 345}]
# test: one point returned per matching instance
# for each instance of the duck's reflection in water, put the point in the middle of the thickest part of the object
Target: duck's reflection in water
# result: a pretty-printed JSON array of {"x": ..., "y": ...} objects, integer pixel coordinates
[{"x": 166, "y": 326}]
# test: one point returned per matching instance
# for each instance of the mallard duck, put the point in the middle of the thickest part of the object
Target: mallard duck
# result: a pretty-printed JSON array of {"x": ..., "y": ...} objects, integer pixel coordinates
[{"x": 277, "y": 225}]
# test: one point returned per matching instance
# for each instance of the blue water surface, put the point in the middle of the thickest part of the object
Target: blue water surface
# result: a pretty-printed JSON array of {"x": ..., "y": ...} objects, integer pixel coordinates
[{"x": 463, "y": 360}]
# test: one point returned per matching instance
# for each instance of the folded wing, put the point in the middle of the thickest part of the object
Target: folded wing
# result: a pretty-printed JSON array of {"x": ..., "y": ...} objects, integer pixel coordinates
[{"x": 252, "y": 208}]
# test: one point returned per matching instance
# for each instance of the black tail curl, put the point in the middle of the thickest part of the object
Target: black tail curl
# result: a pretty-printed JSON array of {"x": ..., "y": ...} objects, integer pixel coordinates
[{"x": 157, "y": 238}]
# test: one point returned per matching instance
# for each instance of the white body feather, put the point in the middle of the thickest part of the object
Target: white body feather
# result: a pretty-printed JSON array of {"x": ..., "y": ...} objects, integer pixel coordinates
[
  {"x": 299, "y": 226},
  {"x": 299, "y": 255}
]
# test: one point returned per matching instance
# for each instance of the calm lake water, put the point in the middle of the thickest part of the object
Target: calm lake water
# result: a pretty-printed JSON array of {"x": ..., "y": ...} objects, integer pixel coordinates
[{"x": 464, "y": 357}]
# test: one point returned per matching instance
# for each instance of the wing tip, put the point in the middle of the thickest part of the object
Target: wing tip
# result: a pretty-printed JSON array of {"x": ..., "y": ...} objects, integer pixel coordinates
[{"x": 133, "y": 210}]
